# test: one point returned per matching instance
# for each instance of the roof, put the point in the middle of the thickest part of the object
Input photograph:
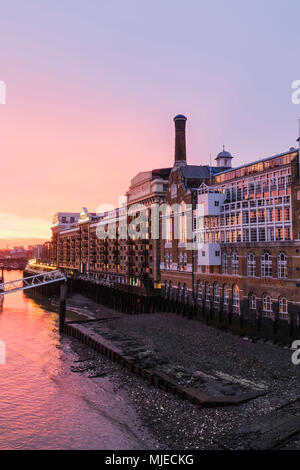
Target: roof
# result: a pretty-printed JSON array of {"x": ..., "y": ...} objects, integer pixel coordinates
[
  {"x": 161, "y": 172},
  {"x": 227, "y": 170},
  {"x": 180, "y": 117},
  {"x": 223, "y": 154},
  {"x": 198, "y": 172}
]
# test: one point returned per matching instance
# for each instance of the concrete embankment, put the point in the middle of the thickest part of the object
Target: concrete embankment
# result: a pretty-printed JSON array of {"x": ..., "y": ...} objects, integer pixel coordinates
[
  {"x": 87, "y": 336},
  {"x": 194, "y": 355}
]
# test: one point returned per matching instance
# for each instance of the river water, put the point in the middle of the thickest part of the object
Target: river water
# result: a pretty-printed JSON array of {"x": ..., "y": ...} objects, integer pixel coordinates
[{"x": 43, "y": 405}]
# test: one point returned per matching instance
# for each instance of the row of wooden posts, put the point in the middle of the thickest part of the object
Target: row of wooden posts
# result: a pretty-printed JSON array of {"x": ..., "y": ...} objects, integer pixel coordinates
[{"x": 132, "y": 303}]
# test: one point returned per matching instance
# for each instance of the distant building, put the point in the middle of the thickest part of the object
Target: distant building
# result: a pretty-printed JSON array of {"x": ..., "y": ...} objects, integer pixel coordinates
[{"x": 18, "y": 252}]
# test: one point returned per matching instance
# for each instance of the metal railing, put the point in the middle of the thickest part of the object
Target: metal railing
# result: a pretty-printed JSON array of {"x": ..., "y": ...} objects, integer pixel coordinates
[{"x": 31, "y": 281}]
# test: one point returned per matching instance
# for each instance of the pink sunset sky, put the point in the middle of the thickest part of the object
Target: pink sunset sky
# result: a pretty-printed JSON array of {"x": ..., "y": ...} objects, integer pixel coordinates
[{"x": 92, "y": 88}]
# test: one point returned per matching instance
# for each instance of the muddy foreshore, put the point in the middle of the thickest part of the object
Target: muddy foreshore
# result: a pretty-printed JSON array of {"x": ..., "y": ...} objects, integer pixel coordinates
[{"x": 187, "y": 350}]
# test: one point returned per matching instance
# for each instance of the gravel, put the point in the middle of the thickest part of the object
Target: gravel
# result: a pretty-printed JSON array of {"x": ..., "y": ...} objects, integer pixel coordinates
[{"x": 188, "y": 350}]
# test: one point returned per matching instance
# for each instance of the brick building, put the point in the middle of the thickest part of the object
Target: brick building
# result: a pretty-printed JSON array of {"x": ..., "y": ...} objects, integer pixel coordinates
[
  {"x": 116, "y": 258},
  {"x": 229, "y": 238}
]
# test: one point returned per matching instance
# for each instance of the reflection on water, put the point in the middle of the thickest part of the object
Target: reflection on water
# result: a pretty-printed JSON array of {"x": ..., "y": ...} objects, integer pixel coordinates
[{"x": 42, "y": 404}]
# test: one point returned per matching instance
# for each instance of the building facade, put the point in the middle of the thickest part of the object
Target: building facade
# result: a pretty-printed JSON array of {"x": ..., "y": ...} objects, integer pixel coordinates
[
  {"x": 97, "y": 245},
  {"x": 228, "y": 238}
]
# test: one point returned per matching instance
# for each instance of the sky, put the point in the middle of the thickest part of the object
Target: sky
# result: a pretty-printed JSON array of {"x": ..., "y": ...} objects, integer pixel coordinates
[{"x": 93, "y": 86}]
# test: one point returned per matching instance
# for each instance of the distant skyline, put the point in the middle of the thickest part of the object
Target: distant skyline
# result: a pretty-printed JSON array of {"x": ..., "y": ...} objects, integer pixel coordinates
[
  {"x": 92, "y": 89},
  {"x": 12, "y": 242}
]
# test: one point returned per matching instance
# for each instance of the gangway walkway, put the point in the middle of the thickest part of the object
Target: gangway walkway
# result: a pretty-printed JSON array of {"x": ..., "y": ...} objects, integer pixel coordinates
[
  {"x": 30, "y": 282},
  {"x": 41, "y": 279}
]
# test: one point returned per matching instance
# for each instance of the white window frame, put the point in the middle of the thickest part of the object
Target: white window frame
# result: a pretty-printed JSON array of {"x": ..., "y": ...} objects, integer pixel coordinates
[
  {"x": 266, "y": 264},
  {"x": 251, "y": 264},
  {"x": 283, "y": 308},
  {"x": 282, "y": 265},
  {"x": 267, "y": 306}
]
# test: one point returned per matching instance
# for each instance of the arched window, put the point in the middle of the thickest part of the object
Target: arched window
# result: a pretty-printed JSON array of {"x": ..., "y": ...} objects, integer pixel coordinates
[
  {"x": 235, "y": 298},
  {"x": 252, "y": 301},
  {"x": 251, "y": 264},
  {"x": 283, "y": 308},
  {"x": 185, "y": 293},
  {"x": 234, "y": 263},
  {"x": 199, "y": 292},
  {"x": 216, "y": 294},
  {"x": 225, "y": 295},
  {"x": 224, "y": 263},
  {"x": 267, "y": 305},
  {"x": 282, "y": 265},
  {"x": 207, "y": 292},
  {"x": 266, "y": 264}
]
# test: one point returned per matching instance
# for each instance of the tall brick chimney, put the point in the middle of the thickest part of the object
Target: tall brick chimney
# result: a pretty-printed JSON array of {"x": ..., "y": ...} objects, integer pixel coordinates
[{"x": 180, "y": 147}]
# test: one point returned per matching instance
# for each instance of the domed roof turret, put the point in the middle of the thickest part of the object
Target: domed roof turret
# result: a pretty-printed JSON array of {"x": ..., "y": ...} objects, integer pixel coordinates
[
  {"x": 224, "y": 154},
  {"x": 224, "y": 158}
]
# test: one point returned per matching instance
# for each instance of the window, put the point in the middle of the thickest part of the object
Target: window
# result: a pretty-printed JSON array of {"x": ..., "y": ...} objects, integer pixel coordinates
[
  {"x": 217, "y": 203},
  {"x": 216, "y": 294},
  {"x": 253, "y": 234},
  {"x": 278, "y": 233},
  {"x": 167, "y": 261},
  {"x": 262, "y": 234},
  {"x": 199, "y": 292},
  {"x": 207, "y": 292},
  {"x": 168, "y": 228},
  {"x": 251, "y": 264},
  {"x": 283, "y": 308},
  {"x": 225, "y": 295},
  {"x": 252, "y": 301},
  {"x": 282, "y": 265},
  {"x": 234, "y": 263},
  {"x": 267, "y": 306},
  {"x": 217, "y": 253},
  {"x": 246, "y": 235},
  {"x": 236, "y": 298},
  {"x": 266, "y": 264},
  {"x": 224, "y": 263}
]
